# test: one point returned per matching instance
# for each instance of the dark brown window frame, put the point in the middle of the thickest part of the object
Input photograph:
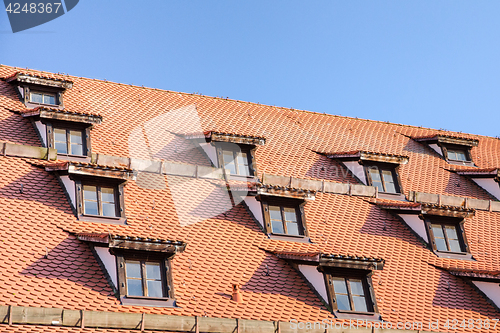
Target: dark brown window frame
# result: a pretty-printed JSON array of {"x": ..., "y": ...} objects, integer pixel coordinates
[
  {"x": 349, "y": 273},
  {"x": 228, "y": 146},
  {"x": 166, "y": 270},
  {"x": 466, "y": 149},
  {"x": 458, "y": 223},
  {"x": 119, "y": 187},
  {"x": 282, "y": 202},
  {"x": 393, "y": 168},
  {"x": 84, "y": 128}
]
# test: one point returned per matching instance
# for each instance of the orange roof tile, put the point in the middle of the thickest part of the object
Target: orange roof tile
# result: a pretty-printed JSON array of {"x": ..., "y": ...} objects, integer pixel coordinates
[{"x": 225, "y": 245}]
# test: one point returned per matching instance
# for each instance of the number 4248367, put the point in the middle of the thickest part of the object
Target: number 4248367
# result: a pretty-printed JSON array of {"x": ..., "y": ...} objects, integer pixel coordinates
[{"x": 33, "y": 8}]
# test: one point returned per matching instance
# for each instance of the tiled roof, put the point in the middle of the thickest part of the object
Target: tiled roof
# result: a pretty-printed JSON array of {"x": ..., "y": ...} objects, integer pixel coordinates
[
  {"x": 36, "y": 111},
  {"x": 225, "y": 245}
]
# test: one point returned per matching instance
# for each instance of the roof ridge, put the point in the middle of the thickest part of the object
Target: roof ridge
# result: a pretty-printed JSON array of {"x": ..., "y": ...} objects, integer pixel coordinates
[{"x": 252, "y": 103}]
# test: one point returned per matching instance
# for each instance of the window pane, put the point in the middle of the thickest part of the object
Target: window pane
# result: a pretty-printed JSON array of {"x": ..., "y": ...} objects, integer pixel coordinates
[
  {"x": 452, "y": 155},
  {"x": 36, "y": 98},
  {"x": 90, "y": 200},
  {"x": 457, "y": 155},
  {"x": 360, "y": 303},
  {"x": 76, "y": 137},
  {"x": 153, "y": 271},
  {"x": 107, "y": 194},
  {"x": 388, "y": 181},
  {"x": 451, "y": 232},
  {"x": 89, "y": 192},
  {"x": 108, "y": 209},
  {"x": 356, "y": 287},
  {"x": 134, "y": 287},
  {"x": 437, "y": 230},
  {"x": 290, "y": 214},
  {"x": 277, "y": 227},
  {"x": 133, "y": 269},
  {"x": 76, "y": 149},
  {"x": 61, "y": 147},
  {"x": 343, "y": 302},
  {"x": 441, "y": 244},
  {"x": 90, "y": 208},
  {"x": 275, "y": 213},
  {"x": 154, "y": 288},
  {"x": 49, "y": 99},
  {"x": 375, "y": 177},
  {"x": 229, "y": 161},
  {"x": 242, "y": 161},
  {"x": 292, "y": 228},
  {"x": 339, "y": 286},
  {"x": 454, "y": 245}
]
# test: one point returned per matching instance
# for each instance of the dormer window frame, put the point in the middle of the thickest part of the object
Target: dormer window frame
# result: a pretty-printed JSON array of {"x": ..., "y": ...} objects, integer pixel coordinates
[
  {"x": 381, "y": 167},
  {"x": 119, "y": 199},
  {"x": 283, "y": 203},
  {"x": 236, "y": 149},
  {"x": 351, "y": 270},
  {"x": 85, "y": 129},
  {"x": 446, "y": 148},
  {"x": 433, "y": 222}
]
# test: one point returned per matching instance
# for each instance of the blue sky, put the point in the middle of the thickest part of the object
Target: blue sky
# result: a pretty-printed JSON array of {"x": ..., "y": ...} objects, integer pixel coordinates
[{"x": 424, "y": 63}]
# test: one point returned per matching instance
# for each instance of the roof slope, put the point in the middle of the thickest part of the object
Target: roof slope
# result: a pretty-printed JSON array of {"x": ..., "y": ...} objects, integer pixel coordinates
[{"x": 225, "y": 243}]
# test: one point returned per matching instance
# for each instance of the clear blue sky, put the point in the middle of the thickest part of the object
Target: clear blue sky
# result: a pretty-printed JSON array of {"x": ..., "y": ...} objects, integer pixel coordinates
[{"x": 425, "y": 63}]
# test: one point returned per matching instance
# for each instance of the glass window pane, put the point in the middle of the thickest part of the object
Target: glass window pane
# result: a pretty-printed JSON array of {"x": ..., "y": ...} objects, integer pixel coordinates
[
  {"x": 90, "y": 208},
  {"x": 108, "y": 209},
  {"x": 457, "y": 155},
  {"x": 76, "y": 149},
  {"x": 388, "y": 181},
  {"x": 356, "y": 287},
  {"x": 339, "y": 286},
  {"x": 153, "y": 271},
  {"x": 343, "y": 302},
  {"x": 154, "y": 288},
  {"x": 49, "y": 99},
  {"x": 61, "y": 147},
  {"x": 134, "y": 287},
  {"x": 461, "y": 156},
  {"x": 290, "y": 214},
  {"x": 89, "y": 192},
  {"x": 292, "y": 228},
  {"x": 242, "y": 164},
  {"x": 454, "y": 245},
  {"x": 275, "y": 213},
  {"x": 76, "y": 137},
  {"x": 452, "y": 155},
  {"x": 375, "y": 177},
  {"x": 441, "y": 244},
  {"x": 133, "y": 269},
  {"x": 107, "y": 194},
  {"x": 59, "y": 135},
  {"x": 359, "y": 303},
  {"x": 451, "y": 232},
  {"x": 437, "y": 231},
  {"x": 277, "y": 227},
  {"x": 229, "y": 162},
  {"x": 36, "y": 98}
]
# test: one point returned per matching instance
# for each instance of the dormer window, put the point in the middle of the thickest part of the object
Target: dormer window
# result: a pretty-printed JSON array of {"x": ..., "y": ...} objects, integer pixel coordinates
[
  {"x": 236, "y": 159},
  {"x": 454, "y": 149},
  {"x": 36, "y": 89},
  {"x": 383, "y": 177},
  {"x": 235, "y": 153},
  {"x": 446, "y": 235},
  {"x": 140, "y": 269},
  {"x": 374, "y": 169},
  {"x": 349, "y": 285},
  {"x": 283, "y": 216},
  {"x": 96, "y": 192}
]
